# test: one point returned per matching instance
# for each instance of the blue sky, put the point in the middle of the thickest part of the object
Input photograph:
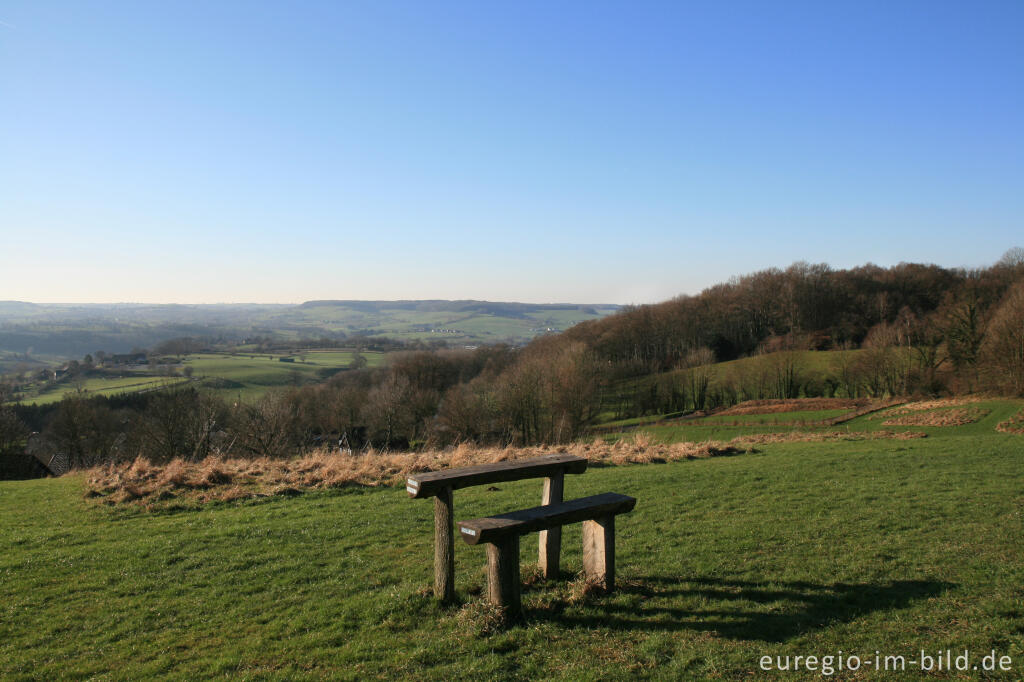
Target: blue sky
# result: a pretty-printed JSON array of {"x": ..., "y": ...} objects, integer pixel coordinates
[{"x": 534, "y": 151}]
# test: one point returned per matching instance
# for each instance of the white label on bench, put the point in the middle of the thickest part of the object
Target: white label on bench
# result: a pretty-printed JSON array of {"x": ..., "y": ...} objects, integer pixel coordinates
[
  {"x": 410, "y": 482},
  {"x": 411, "y": 489},
  {"x": 468, "y": 531}
]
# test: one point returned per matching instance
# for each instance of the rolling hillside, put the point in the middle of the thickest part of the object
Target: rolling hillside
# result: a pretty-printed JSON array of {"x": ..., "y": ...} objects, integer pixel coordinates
[{"x": 28, "y": 330}]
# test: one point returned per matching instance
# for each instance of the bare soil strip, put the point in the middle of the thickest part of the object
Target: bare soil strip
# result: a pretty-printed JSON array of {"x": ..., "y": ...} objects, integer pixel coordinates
[
  {"x": 824, "y": 436},
  {"x": 795, "y": 405}
]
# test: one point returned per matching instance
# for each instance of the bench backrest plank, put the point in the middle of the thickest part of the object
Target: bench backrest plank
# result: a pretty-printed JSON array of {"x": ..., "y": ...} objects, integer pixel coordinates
[
  {"x": 428, "y": 484},
  {"x": 490, "y": 528}
]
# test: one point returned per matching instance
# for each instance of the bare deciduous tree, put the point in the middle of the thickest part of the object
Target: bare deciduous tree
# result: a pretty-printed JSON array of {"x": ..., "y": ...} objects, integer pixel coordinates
[
  {"x": 386, "y": 411},
  {"x": 267, "y": 428},
  {"x": 1004, "y": 344}
]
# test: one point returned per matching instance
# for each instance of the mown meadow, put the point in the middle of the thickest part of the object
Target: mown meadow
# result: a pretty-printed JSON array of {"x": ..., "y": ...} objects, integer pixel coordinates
[{"x": 792, "y": 548}]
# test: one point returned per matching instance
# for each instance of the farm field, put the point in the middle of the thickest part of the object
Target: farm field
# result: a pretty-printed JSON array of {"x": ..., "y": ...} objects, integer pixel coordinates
[
  {"x": 794, "y": 548},
  {"x": 247, "y": 375},
  {"x": 251, "y": 375},
  {"x": 103, "y": 386}
]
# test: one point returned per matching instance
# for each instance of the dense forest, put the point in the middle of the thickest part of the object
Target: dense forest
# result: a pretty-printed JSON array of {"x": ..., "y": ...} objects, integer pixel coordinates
[{"x": 907, "y": 329}]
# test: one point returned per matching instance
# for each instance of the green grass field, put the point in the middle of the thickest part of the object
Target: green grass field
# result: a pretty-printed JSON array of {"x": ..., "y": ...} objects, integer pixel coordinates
[
  {"x": 106, "y": 386},
  {"x": 248, "y": 375},
  {"x": 798, "y": 549},
  {"x": 251, "y": 375}
]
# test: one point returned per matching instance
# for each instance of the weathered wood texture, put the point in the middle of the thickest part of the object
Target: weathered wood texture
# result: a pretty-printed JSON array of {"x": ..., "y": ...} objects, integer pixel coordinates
[
  {"x": 444, "y": 546},
  {"x": 492, "y": 528},
  {"x": 599, "y": 551},
  {"x": 503, "y": 575},
  {"x": 428, "y": 484},
  {"x": 550, "y": 550}
]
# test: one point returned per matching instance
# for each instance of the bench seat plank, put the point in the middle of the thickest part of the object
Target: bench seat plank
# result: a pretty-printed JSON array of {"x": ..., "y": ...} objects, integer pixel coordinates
[
  {"x": 492, "y": 528},
  {"x": 428, "y": 484}
]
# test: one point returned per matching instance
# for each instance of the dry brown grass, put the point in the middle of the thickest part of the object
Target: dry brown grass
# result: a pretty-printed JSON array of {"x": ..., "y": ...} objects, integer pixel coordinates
[
  {"x": 216, "y": 478},
  {"x": 794, "y": 405},
  {"x": 957, "y": 416},
  {"x": 1014, "y": 424}
]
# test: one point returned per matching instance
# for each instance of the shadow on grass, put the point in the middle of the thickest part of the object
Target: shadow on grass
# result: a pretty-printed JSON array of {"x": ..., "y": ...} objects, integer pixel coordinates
[{"x": 738, "y": 609}]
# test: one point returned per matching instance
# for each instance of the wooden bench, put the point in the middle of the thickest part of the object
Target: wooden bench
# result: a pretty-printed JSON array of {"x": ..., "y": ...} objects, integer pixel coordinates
[
  {"x": 501, "y": 534},
  {"x": 440, "y": 484}
]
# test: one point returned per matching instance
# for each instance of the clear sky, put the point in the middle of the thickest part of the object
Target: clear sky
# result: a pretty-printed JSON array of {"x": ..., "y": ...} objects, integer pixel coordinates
[{"x": 218, "y": 151}]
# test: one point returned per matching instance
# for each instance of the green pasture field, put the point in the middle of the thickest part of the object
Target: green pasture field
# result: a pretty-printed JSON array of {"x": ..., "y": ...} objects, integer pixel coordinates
[
  {"x": 250, "y": 375},
  {"x": 106, "y": 386},
  {"x": 795, "y": 549}
]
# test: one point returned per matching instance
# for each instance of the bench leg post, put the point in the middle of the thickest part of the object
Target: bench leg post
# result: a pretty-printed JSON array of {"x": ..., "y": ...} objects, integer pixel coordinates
[
  {"x": 444, "y": 547},
  {"x": 599, "y": 551},
  {"x": 551, "y": 539},
  {"x": 503, "y": 575}
]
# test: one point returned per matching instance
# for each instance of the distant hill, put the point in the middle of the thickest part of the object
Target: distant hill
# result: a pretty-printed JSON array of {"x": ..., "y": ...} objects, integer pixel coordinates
[
  {"x": 68, "y": 330},
  {"x": 483, "y": 307}
]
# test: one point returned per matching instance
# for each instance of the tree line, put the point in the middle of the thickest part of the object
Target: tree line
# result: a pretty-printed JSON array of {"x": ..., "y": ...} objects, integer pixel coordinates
[{"x": 905, "y": 329}]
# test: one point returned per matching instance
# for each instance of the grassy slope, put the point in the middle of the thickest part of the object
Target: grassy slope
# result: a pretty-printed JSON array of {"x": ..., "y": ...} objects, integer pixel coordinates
[
  {"x": 810, "y": 363},
  {"x": 800, "y": 548}
]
